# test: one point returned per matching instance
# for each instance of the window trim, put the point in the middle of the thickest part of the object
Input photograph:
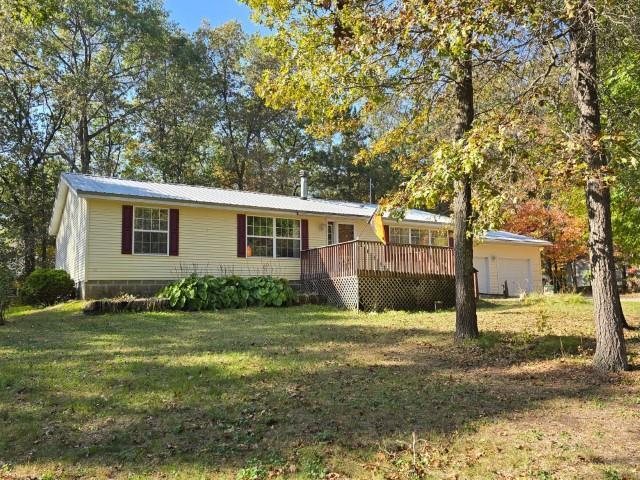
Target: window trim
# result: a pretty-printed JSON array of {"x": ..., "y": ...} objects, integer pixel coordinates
[
  {"x": 134, "y": 230},
  {"x": 246, "y": 237},
  {"x": 273, "y": 237},
  {"x": 430, "y": 230},
  {"x": 333, "y": 232}
]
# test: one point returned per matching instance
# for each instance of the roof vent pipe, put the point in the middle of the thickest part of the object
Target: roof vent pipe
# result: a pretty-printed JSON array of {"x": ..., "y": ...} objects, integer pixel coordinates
[{"x": 304, "y": 187}]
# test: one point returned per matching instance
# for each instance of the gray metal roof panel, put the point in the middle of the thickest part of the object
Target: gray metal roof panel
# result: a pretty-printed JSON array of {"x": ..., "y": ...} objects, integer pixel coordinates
[
  {"x": 218, "y": 196},
  {"x": 508, "y": 237},
  {"x": 108, "y": 186}
]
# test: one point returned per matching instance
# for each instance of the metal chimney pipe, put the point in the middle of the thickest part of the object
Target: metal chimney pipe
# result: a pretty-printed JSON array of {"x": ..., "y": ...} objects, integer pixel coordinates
[{"x": 304, "y": 184}]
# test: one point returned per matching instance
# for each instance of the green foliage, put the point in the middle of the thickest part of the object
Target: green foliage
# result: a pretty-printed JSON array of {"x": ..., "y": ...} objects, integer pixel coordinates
[
  {"x": 7, "y": 282},
  {"x": 254, "y": 471},
  {"x": 349, "y": 65},
  {"x": 212, "y": 293},
  {"x": 46, "y": 286}
]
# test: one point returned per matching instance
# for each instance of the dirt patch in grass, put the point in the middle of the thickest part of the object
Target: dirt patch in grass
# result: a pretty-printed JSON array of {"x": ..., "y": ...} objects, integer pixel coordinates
[{"x": 313, "y": 392}]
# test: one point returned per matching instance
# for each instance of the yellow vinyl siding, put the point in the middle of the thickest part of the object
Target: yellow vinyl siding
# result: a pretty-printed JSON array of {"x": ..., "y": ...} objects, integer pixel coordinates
[
  {"x": 71, "y": 240},
  {"x": 495, "y": 251},
  {"x": 207, "y": 245}
]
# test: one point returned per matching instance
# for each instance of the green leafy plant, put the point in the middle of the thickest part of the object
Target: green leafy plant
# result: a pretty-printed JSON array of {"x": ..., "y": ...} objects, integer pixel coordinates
[
  {"x": 46, "y": 286},
  {"x": 254, "y": 471},
  {"x": 213, "y": 293}
]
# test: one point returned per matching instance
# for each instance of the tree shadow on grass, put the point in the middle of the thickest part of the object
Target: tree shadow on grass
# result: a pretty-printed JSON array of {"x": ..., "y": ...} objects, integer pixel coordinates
[{"x": 217, "y": 390}]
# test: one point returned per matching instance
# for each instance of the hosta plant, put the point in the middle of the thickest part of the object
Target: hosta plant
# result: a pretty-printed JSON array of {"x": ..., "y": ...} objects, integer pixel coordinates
[{"x": 213, "y": 293}]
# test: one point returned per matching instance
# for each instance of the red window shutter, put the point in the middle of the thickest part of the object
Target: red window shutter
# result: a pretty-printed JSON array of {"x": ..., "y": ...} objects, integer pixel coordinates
[
  {"x": 174, "y": 232},
  {"x": 450, "y": 239},
  {"x": 127, "y": 229},
  {"x": 386, "y": 234},
  {"x": 304, "y": 233},
  {"x": 242, "y": 235}
]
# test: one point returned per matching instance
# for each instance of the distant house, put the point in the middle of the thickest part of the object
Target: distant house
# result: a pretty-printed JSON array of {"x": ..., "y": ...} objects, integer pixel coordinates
[{"x": 116, "y": 236}]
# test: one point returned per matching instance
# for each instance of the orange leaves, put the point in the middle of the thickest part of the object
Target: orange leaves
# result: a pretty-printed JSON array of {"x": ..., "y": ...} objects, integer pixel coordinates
[{"x": 549, "y": 222}]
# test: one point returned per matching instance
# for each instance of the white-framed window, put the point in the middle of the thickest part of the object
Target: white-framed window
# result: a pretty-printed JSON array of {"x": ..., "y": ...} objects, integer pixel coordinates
[
  {"x": 259, "y": 236},
  {"x": 418, "y": 236},
  {"x": 150, "y": 231},
  {"x": 273, "y": 237},
  {"x": 439, "y": 238},
  {"x": 331, "y": 233},
  {"x": 399, "y": 235},
  {"x": 287, "y": 238}
]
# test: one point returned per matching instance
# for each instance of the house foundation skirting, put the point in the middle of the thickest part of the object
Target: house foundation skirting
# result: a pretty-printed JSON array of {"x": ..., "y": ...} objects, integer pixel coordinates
[
  {"x": 93, "y": 289},
  {"x": 386, "y": 292}
]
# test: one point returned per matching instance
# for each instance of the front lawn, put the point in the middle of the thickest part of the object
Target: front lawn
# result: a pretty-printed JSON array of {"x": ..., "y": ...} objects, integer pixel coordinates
[{"x": 314, "y": 392}]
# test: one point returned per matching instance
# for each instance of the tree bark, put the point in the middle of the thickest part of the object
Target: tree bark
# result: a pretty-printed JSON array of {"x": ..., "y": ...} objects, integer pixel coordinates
[
  {"x": 466, "y": 318},
  {"x": 574, "y": 276},
  {"x": 610, "y": 352},
  {"x": 29, "y": 252},
  {"x": 549, "y": 270},
  {"x": 85, "y": 152}
]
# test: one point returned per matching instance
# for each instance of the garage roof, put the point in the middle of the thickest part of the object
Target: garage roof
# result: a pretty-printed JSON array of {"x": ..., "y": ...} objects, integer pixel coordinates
[
  {"x": 132, "y": 189},
  {"x": 508, "y": 237}
]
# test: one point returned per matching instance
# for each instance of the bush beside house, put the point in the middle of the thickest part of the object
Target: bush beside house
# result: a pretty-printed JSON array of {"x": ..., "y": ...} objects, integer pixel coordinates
[{"x": 47, "y": 286}]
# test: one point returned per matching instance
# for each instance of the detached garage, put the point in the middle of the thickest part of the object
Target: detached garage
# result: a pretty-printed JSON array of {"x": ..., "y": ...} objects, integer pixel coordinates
[{"x": 507, "y": 257}]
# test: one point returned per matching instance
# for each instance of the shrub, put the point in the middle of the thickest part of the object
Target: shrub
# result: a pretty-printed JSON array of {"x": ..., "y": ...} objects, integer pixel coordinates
[
  {"x": 7, "y": 283},
  {"x": 212, "y": 293},
  {"x": 46, "y": 286}
]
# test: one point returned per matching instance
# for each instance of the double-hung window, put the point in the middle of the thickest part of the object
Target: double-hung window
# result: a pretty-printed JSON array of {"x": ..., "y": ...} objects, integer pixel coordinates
[
  {"x": 287, "y": 238},
  {"x": 259, "y": 236},
  {"x": 273, "y": 237},
  {"x": 151, "y": 231}
]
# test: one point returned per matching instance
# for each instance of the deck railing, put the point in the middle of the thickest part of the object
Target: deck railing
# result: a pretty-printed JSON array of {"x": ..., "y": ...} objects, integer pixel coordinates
[{"x": 374, "y": 258}]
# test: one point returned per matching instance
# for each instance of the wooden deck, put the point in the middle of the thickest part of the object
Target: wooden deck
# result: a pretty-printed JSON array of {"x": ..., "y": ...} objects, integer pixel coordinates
[
  {"x": 374, "y": 276},
  {"x": 375, "y": 259}
]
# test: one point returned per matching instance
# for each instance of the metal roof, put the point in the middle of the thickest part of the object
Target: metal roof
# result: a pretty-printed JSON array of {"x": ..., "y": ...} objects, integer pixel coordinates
[
  {"x": 108, "y": 186},
  {"x": 508, "y": 237},
  {"x": 115, "y": 187}
]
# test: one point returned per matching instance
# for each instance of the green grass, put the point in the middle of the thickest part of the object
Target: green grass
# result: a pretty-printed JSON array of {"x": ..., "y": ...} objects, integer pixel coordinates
[{"x": 314, "y": 392}]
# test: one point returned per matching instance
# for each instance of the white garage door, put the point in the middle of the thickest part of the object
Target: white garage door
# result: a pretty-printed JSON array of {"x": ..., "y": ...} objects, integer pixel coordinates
[
  {"x": 482, "y": 265},
  {"x": 517, "y": 273}
]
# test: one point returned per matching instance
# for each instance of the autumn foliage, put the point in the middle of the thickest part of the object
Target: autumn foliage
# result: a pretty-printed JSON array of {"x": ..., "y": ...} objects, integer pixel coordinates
[{"x": 568, "y": 233}]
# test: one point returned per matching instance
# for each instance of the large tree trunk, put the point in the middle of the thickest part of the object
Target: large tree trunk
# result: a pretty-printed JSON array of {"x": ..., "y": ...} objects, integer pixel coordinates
[
  {"x": 83, "y": 138},
  {"x": 29, "y": 251},
  {"x": 549, "y": 271},
  {"x": 610, "y": 349},
  {"x": 466, "y": 319},
  {"x": 574, "y": 276}
]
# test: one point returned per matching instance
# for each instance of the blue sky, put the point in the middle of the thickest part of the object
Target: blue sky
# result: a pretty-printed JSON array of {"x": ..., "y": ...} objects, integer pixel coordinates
[{"x": 189, "y": 13}]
